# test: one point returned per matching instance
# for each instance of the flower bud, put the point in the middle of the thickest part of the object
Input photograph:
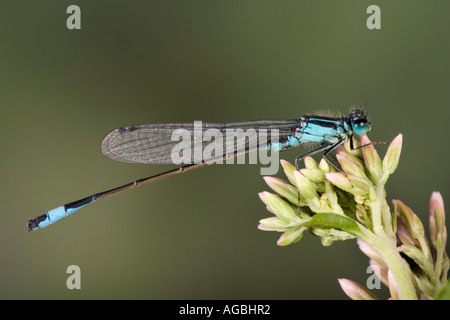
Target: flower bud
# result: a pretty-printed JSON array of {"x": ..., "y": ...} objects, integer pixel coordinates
[
  {"x": 379, "y": 270},
  {"x": 315, "y": 175},
  {"x": 403, "y": 234},
  {"x": 279, "y": 207},
  {"x": 305, "y": 186},
  {"x": 272, "y": 224},
  {"x": 340, "y": 180},
  {"x": 355, "y": 291},
  {"x": 310, "y": 163},
  {"x": 351, "y": 165},
  {"x": 413, "y": 252},
  {"x": 361, "y": 186},
  {"x": 371, "y": 159},
  {"x": 356, "y": 150},
  {"x": 288, "y": 170},
  {"x": 370, "y": 252},
  {"x": 392, "y": 157},
  {"x": 325, "y": 166},
  {"x": 283, "y": 188},
  {"x": 437, "y": 220},
  {"x": 350, "y": 183},
  {"x": 411, "y": 221},
  {"x": 290, "y": 237}
]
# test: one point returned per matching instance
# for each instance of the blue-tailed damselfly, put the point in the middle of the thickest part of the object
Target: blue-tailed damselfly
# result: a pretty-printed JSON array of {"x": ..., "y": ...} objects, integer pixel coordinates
[{"x": 153, "y": 144}]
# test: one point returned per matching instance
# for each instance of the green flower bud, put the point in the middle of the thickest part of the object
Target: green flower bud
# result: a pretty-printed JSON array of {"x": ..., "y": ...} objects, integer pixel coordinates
[
  {"x": 351, "y": 165},
  {"x": 413, "y": 252},
  {"x": 372, "y": 160},
  {"x": 283, "y": 188},
  {"x": 290, "y": 237},
  {"x": 392, "y": 157},
  {"x": 361, "y": 186},
  {"x": 340, "y": 180},
  {"x": 279, "y": 207},
  {"x": 288, "y": 170},
  {"x": 350, "y": 183},
  {"x": 355, "y": 152},
  {"x": 305, "y": 186},
  {"x": 273, "y": 224},
  {"x": 325, "y": 166},
  {"x": 315, "y": 175},
  {"x": 310, "y": 163}
]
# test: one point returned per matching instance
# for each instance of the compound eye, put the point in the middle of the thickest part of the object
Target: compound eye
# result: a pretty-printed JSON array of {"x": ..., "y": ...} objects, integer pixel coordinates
[
  {"x": 361, "y": 127},
  {"x": 359, "y": 122}
]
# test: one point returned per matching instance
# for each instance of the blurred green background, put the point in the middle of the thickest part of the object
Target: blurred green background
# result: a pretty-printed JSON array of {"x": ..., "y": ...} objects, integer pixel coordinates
[{"x": 195, "y": 236}]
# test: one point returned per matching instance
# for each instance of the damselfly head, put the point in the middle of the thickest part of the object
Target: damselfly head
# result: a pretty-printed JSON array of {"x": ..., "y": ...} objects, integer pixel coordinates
[{"x": 358, "y": 120}]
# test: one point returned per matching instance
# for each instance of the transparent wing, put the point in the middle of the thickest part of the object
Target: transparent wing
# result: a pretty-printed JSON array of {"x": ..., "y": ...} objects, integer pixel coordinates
[{"x": 152, "y": 143}]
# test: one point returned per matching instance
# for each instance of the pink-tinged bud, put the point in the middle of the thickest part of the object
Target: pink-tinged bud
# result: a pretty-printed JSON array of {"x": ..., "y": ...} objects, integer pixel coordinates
[
  {"x": 380, "y": 270},
  {"x": 268, "y": 208},
  {"x": 371, "y": 158},
  {"x": 370, "y": 252},
  {"x": 361, "y": 186},
  {"x": 392, "y": 157},
  {"x": 351, "y": 165},
  {"x": 283, "y": 188},
  {"x": 403, "y": 233},
  {"x": 288, "y": 170},
  {"x": 272, "y": 224},
  {"x": 356, "y": 291},
  {"x": 438, "y": 231},
  {"x": 350, "y": 183},
  {"x": 310, "y": 163},
  {"x": 340, "y": 180},
  {"x": 411, "y": 221}
]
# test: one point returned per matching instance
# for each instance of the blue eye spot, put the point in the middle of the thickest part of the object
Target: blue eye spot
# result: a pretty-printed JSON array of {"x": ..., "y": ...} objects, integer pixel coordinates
[{"x": 361, "y": 128}]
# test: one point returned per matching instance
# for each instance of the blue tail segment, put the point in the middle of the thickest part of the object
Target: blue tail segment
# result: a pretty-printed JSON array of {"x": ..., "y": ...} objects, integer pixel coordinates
[{"x": 54, "y": 215}]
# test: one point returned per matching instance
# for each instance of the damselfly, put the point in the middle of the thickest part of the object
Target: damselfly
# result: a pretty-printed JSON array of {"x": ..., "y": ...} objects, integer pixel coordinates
[{"x": 154, "y": 144}]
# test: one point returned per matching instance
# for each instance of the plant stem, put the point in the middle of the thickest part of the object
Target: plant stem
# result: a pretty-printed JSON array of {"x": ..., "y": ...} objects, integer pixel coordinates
[
  {"x": 385, "y": 242},
  {"x": 388, "y": 250}
]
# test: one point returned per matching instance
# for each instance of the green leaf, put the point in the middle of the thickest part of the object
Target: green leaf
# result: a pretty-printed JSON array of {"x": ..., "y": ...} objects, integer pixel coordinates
[
  {"x": 444, "y": 292},
  {"x": 333, "y": 220}
]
